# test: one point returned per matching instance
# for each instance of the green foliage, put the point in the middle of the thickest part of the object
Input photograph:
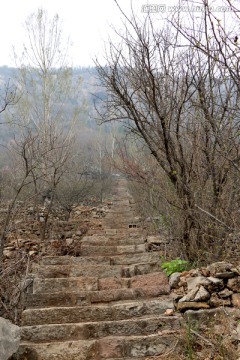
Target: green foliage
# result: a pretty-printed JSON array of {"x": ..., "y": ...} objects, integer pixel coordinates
[{"x": 175, "y": 265}]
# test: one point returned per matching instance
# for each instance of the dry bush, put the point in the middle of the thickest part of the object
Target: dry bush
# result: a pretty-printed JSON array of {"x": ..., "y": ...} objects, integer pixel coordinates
[
  {"x": 211, "y": 339},
  {"x": 15, "y": 282}
]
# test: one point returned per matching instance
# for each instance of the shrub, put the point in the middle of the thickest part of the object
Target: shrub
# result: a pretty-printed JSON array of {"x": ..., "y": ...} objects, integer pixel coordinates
[{"x": 175, "y": 265}]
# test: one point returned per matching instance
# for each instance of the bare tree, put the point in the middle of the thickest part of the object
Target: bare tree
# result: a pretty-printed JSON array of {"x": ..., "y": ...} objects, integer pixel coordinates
[
  {"x": 47, "y": 82},
  {"x": 179, "y": 102},
  {"x": 8, "y": 96},
  {"x": 25, "y": 156}
]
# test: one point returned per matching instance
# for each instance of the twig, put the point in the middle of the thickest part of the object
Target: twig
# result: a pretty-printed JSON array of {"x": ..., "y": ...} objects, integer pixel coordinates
[
  {"x": 169, "y": 351},
  {"x": 4, "y": 273},
  {"x": 201, "y": 337},
  {"x": 6, "y": 309},
  {"x": 214, "y": 217}
]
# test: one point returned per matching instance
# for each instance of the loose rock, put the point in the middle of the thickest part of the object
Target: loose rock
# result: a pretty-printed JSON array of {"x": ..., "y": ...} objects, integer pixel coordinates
[{"x": 9, "y": 339}]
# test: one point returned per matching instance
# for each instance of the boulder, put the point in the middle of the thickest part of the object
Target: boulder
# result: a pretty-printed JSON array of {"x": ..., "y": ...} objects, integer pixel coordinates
[
  {"x": 225, "y": 293},
  {"x": 216, "y": 301},
  {"x": 174, "y": 280},
  {"x": 215, "y": 284},
  {"x": 9, "y": 339},
  {"x": 225, "y": 275},
  {"x": 202, "y": 294},
  {"x": 220, "y": 267},
  {"x": 196, "y": 282},
  {"x": 236, "y": 300},
  {"x": 190, "y": 296},
  {"x": 234, "y": 284}
]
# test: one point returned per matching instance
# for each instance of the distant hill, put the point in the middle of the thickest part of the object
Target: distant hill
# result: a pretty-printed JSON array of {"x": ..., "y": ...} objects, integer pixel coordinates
[{"x": 89, "y": 92}]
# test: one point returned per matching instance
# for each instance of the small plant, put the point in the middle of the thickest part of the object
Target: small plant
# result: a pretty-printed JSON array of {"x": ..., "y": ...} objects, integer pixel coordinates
[{"x": 175, "y": 265}]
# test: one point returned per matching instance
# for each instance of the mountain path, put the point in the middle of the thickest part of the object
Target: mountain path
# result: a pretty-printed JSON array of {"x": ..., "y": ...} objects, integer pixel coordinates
[{"x": 107, "y": 304}]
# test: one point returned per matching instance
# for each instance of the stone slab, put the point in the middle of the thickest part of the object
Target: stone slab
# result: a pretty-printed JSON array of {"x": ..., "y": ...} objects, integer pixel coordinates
[
  {"x": 101, "y": 312},
  {"x": 156, "y": 279},
  {"x": 135, "y": 346},
  {"x": 72, "y": 350},
  {"x": 92, "y": 330},
  {"x": 68, "y": 284}
]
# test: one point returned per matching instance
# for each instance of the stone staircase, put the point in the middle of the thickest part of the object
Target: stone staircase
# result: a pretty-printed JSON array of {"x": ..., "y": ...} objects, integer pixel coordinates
[{"x": 107, "y": 304}]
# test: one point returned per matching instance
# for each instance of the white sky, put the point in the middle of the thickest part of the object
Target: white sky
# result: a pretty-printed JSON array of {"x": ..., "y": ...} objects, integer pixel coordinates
[{"x": 86, "y": 22}]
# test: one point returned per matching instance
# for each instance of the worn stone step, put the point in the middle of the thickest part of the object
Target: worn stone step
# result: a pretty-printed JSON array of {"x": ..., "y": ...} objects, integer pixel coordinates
[
  {"x": 121, "y": 201},
  {"x": 92, "y": 330},
  {"x": 65, "y": 284},
  {"x": 124, "y": 231},
  {"x": 86, "y": 283},
  {"x": 129, "y": 259},
  {"x": 62, "y": 299},
  {"x": 121, "y": 212},
  {"x": 123, "y": 259},
  {"x": 134, "y": 346},
  {"x": 59, "y": 299},
  {"x": 67, "y": 350},
  {"x": 96, "y": 312},
  {"x": 100, "y": 271},
  {"x": 69, "y": 260},
  {"x": 78, "y": 270},
  {"x": 127, "y": 235},
  {"x": 108, "y": 241},
  {"x": 120, "y": 215},
  {"x": 115, "y": 224},
  {"x": 112, "y": 250}
]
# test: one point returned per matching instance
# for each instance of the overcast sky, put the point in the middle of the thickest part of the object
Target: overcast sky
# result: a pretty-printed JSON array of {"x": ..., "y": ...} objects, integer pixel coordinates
[{"x": 86, "y": 22}]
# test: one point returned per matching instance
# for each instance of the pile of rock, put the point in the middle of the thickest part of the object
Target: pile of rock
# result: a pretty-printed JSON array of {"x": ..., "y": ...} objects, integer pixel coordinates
[
  {"x": 209, "y": 287},
  {"x": 63, "y": 235}
]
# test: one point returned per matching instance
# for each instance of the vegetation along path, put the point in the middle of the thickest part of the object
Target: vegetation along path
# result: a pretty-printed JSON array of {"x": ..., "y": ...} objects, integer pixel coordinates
[{"x": 109, "y": 303}]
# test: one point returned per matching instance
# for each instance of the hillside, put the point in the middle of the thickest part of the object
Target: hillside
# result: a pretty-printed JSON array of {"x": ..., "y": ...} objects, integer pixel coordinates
[{"x": 89, "y": 91}]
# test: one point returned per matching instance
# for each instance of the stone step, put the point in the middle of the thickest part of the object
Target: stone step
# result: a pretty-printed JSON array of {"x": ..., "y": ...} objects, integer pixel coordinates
[
  {"x": 120, "y": 310},
  {"x": 109, "y": 348},
  {"x": 124, "y": 231},
  {"x": 55, "y": 285},
  {"x": 68, "y": 260},
  {"x": 62, "y": 299},
  {"x": 144, "y": 325},
  {"x": 111, "y": 250},
  {"x": 124, "y": 259},
  {"x": 78, "y": 270},
  {"x": 100, "y": 271},
  {"x": 129, "y": 259},
  {"x": 107, "y": 241},
  {"x": 135, "y": 346},
  {"x": 67, "y": 350},
  {"x": 121, "y": 202},
  {"x": 110, "y": 221},
  {"x": 121, "y": 228},
  {"x": 120, "y": 214},
  {"x": 120, "y": 211},
  {"x": 91, "y": 283}
]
